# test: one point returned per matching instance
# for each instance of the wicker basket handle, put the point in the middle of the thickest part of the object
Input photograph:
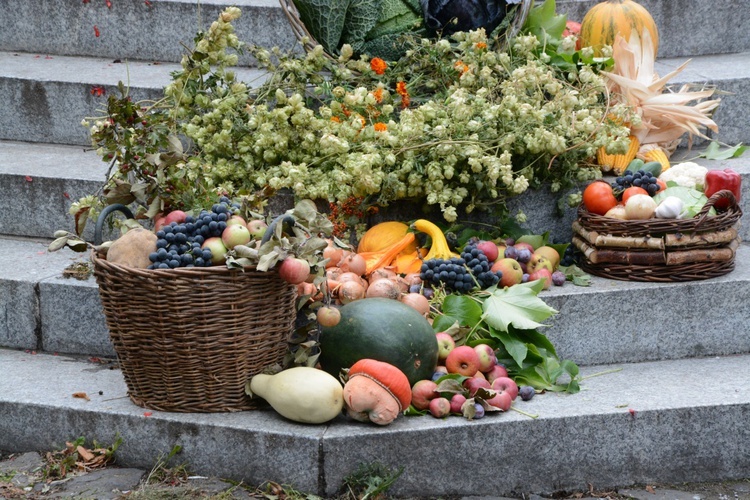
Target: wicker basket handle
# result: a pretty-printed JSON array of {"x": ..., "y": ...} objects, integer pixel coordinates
[
  {"x": 724, "y": 194},
  {"x": 108, "y": 210}
]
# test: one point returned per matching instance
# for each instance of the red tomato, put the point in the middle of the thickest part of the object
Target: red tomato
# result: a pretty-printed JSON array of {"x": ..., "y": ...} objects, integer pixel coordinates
[
  {"x": 598, "y": 197},
  {"x": 631, "y": 191}
]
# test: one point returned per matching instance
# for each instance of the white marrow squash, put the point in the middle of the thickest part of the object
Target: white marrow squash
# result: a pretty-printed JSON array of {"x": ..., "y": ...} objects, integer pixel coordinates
[{"x": 301, "y": 394}]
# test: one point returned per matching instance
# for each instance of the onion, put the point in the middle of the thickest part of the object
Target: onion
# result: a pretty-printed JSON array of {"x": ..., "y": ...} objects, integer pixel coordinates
[
  {"x": 383, "y": 288},
  {"x": 401, "y": 283},
  {"x": 333, "y": 254},
  {"x": 333, "y": 273},
  {"x": 418, "y": 302},
  {"x": 351, "y": 291},
  {"x": 413, "y": 279},
  {"x": 382, "y": 272},
  {"x": 640, "y": 206},
  {"x": 354, "y": 263},
  {"x": 617, "y": 212}
]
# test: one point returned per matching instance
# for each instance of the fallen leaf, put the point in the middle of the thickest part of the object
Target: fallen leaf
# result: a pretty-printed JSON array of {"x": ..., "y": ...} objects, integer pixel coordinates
[
  {"x": 29, "y": 178},
  {"x": 650, "y": 489},
  {"x": 81, "y": 395},
  {"x": 85, "y": 454},
  {"x": 147, "y": 413}
]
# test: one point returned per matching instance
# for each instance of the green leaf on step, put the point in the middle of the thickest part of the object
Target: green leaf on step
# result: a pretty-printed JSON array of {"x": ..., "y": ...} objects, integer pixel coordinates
[
  {"x": 576, "y": 275},
  {"x": 518, "y": 306},
  {"x": 715, "y": 152}
]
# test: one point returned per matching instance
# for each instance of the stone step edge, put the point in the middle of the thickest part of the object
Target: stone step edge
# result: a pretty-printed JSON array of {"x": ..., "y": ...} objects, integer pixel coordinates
[{"x": 662, "y": 421}]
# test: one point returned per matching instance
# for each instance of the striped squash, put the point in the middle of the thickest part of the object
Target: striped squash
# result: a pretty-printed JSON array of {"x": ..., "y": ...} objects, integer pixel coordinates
[{"x": 606, "y": 19}]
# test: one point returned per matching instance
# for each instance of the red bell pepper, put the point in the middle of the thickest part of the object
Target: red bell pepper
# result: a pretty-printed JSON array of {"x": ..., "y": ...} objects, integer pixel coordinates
[{"x": 716, "y": 180}]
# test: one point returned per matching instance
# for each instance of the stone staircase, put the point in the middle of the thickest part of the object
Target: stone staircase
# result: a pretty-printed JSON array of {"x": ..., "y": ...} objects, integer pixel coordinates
[{"x": 672, "y": 400}]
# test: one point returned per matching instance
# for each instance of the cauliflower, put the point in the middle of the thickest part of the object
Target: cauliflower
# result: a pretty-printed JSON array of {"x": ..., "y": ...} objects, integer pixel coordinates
[{"x": 687, "y": 174}]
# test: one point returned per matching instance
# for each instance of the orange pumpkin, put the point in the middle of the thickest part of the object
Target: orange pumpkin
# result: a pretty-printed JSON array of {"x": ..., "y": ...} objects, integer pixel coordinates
[{"x": 606, "y": 19}]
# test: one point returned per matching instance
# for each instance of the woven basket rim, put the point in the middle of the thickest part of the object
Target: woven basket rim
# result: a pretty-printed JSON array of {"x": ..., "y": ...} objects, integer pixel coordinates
[
  {"x": 701, "y": 222},
  {"x": 301, "y": 31},
  {"x": 98, "y": 259}
]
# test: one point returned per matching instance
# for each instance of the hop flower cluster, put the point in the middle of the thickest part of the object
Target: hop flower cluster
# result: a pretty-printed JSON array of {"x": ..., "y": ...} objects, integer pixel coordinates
[{"x": 460, "y": 123}]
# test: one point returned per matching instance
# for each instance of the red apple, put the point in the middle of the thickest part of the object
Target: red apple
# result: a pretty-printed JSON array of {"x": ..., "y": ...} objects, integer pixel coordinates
[
  {"x": 177, "y": 216},
  {"x": 496, "y": 372},
  {"x": 234, "y": 235},
  {"x": 440, "y": 407},
  {"x": 257, "y": 228},
  {"x": 457, "y": 401},
  {"x": 294, "y": 270},
  {"x": 159, "y": 222},
  {"x": 441, "y": 369},
  {"x": 422, "y": 393},
  {"x": 445, "y": 345},
  {"x": 463, "y": 360},
  {"x": 505, "y": 384},
  {"x": 487, "y": 358},
  {"x": 490, "y": 250},
  {"x": 480, "y": 375},
  {"x": 542, "y": 274},
  {"x": 236, "y": 219},
  {"x": 552, "y": 254},
  {"x": 472, "y": 384},
  {"x": 500, "y": 400},
  {"x": 218, "y": 250},
  {"x": 511, "y": 269}
]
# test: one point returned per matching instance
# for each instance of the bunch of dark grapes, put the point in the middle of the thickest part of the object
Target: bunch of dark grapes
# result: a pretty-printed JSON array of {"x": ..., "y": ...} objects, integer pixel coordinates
[
  {"x": 570, "y": 256},
  {"x": 641, "y": 179},
  {"x": 179, "y": 244},
  {"x": 479, "y": 265},
  {"x": 450, "y": 273}
]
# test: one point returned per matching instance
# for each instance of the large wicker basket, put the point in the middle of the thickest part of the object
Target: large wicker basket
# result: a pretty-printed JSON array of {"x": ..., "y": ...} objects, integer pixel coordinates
[
  {"x": 660, "y": 250},
  {"x": 301, "y": 32},
  {"x": 188, "y": 339}
]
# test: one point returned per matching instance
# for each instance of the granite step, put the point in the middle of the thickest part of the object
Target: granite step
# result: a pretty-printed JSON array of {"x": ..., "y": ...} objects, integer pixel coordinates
[
  {"x": 44, "y": 309},
  {"x": 49, "y": 96},
  {"x": 157, "y": 31},
  {"x": 642, "y": 423}
]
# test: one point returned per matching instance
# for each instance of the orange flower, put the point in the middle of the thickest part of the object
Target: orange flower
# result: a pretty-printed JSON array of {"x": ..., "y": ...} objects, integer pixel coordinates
[
  {"x": 378, "y": 95},
  {"x": 378, "y": 65},
  {"x": 380, "y": 127},
  {"x": 405, "y": 101},
  {"x": 461, "y": 67},
  {"x": 480, "y": 45},
  {"x": 401, "y": 89}
]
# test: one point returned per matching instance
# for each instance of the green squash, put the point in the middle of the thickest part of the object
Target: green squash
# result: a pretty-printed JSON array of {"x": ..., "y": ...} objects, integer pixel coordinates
[{"x": 384, "y": 330}]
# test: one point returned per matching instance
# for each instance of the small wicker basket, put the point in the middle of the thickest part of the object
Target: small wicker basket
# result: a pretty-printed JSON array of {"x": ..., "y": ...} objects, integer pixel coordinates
[
  {"x": 301, "y": 32},
  {"x": 188, "y": 339},
  {"x": 660, "y": 250}
]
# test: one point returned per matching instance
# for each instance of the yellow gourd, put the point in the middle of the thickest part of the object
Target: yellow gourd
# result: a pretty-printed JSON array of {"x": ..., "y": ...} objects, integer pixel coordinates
[
  {"x": 439, "y": 248},
  {"x": 606, "y": 19}
]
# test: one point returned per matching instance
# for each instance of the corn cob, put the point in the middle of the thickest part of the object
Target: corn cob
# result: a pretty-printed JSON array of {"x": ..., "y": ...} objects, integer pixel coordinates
[
  {"x": 617, "y": 163},
  {"x": 652, "y": 152}
]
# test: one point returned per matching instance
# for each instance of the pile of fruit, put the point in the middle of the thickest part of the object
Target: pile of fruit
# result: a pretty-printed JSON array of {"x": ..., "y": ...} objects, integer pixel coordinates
[{"x": 644, "y": 191}]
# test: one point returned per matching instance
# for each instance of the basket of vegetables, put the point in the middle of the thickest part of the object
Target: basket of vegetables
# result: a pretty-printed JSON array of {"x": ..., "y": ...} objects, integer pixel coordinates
[{"x": 681, "y": 233}]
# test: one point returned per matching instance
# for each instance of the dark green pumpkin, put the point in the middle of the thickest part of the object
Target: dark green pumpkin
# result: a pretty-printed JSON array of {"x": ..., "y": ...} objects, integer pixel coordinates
[{"x": 384, "y": 330}]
